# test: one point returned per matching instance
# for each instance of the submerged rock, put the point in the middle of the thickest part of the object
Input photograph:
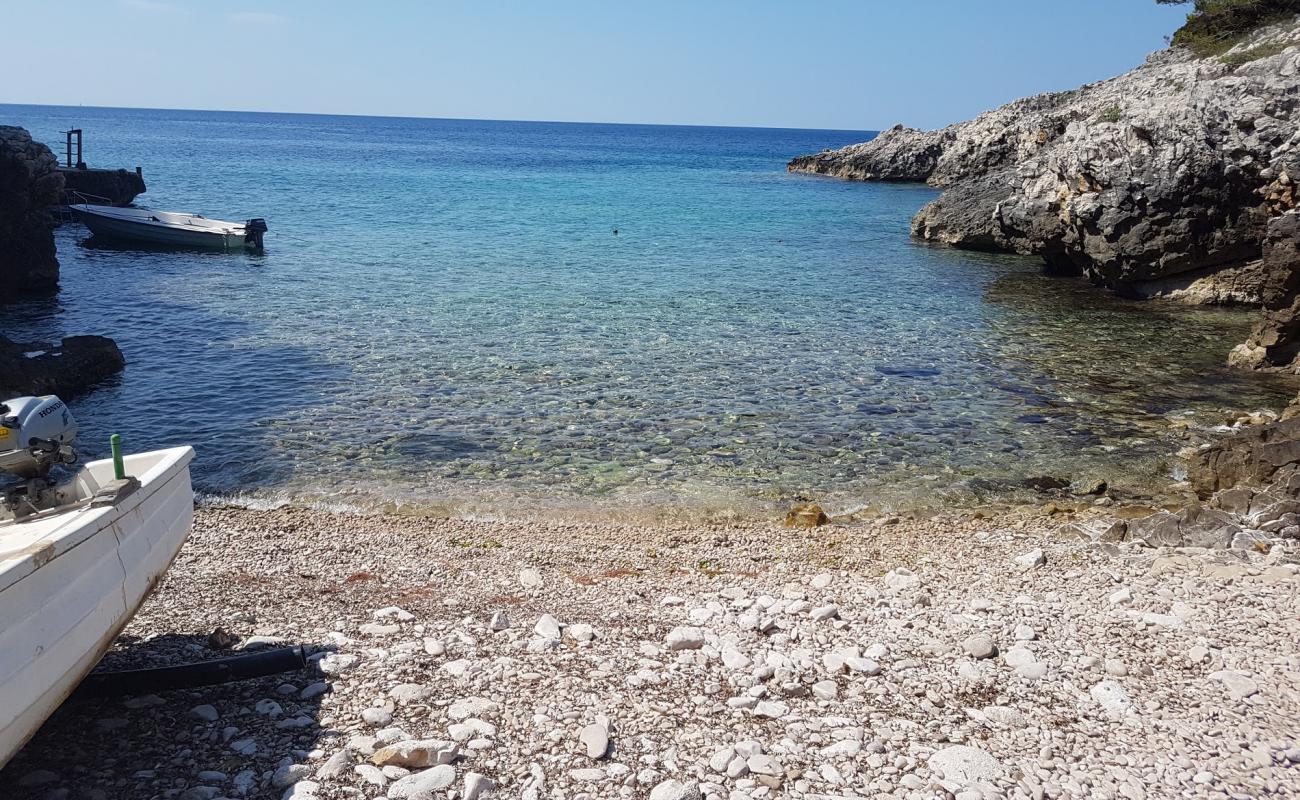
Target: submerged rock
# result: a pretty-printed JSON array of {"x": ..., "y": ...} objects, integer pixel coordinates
[
  {"x": 1046, "y": 483},
  {"x": 1249, "y": 485},
  {"x": 806, "y": 515},
  {"x": 72, "y": 367}
]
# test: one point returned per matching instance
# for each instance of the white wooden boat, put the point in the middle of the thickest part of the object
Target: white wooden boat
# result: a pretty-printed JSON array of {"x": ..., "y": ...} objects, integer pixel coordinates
[
  {"x": 72, "y": 576},
  {"x": 169, "y": 228}
]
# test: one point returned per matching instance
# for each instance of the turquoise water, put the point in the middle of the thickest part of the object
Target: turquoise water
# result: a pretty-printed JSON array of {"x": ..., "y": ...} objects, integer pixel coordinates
[{"x": 444, "y": 318}]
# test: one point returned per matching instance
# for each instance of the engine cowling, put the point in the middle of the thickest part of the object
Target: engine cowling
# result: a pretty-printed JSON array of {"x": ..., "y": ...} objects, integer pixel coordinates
[{"x": 35, "y": 434}]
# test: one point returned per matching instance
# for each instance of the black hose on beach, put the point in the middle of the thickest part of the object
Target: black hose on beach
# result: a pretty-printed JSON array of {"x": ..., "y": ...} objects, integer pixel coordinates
[{"x": 203, "y": 673}]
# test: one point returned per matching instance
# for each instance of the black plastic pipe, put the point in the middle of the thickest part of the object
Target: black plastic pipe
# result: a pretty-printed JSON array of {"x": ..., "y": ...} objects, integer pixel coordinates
[{"x": 203, "y": 673}]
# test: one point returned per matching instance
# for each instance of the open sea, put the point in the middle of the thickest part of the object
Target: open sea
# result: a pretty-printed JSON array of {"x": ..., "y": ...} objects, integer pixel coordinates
[{"x": 444, "y": 321}]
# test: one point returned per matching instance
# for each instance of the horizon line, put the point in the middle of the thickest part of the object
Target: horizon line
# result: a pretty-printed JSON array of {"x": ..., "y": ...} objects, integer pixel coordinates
[{"x": 445, "y": 119}]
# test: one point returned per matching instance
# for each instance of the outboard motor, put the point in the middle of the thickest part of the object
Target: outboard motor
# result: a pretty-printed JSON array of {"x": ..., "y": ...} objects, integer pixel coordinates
[
  {"x": 36, "y": 433},
  {"x": 254, "y": 229}
]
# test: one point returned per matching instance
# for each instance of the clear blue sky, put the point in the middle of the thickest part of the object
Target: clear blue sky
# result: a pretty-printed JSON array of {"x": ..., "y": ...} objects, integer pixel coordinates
[{"x": 853, "y": 64}]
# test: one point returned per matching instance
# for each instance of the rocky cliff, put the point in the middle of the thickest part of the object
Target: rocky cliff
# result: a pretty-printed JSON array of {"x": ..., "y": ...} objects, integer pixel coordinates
[
  {"x": 29, "y": 184},
  {"x": 1160, "y": 181}
]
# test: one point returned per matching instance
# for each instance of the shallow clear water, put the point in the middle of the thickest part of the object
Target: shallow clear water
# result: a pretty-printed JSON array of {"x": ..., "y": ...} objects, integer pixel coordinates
[{"x": 444, "y": 317}]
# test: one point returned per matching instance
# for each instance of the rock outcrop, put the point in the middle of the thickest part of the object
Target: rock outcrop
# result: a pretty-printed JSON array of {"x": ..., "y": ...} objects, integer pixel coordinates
[
  {"x": 1173, "y": 169},
  {"x": 1248, "y": 489},
  {"x": 1275, "y": 340},
  {"x": 1253, "y": 455},
  {"x": 70, "y": 368},
  {"x": 29, "y": 184},
  {"x": 117, "y": 187}
]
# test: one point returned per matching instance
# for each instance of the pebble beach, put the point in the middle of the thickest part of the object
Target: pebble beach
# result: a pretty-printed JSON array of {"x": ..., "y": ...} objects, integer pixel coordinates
[
  {"x": 621, "y": 460},
  {"x": 951, "y": 656}
]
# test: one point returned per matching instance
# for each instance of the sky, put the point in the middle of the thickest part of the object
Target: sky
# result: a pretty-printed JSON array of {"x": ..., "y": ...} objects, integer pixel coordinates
[{"x": 834, "y": 64}]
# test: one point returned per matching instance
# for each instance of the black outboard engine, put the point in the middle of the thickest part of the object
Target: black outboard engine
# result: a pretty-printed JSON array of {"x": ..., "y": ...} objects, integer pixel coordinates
[{"x": 254, "y": 229}]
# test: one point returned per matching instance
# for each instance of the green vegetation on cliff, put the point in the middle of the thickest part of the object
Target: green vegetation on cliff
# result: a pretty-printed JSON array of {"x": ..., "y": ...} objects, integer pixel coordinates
[{"x": 1215, "y": 26}]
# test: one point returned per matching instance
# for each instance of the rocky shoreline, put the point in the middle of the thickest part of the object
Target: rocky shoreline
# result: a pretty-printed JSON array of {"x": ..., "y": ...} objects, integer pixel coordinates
[
  {"x": 952, "y": 656},
  {"x": 1176, "y": 179},
  {"x": 30, "y": 183}
]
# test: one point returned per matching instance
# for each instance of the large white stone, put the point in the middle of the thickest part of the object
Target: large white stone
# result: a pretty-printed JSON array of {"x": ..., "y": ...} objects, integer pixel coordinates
[
  {"x": 337, "y": 663},
  {"x": 476, "y": 786},
  {"x": 1018, "y": 656},
  {"x": 416, "y": 754},
  {"x": 595, "y": 739},
  {"x": 1240, "y": 685},
  {"x": 472, "y": 707},
  {"x": 762, "y": 764},
  {"x": 675, "y": 790},
  {"x": 547, "y": 627},
  {"x": 1112, "y": 697},
  {"x": 685, "y": 638},
  {"x": 423, "y": 785},
  {"x": 980, "y": 646},
  {"x": 1033, "y": 559},
  {"x": 901, "y": 579},
  {"x": 963, "y": 764}
]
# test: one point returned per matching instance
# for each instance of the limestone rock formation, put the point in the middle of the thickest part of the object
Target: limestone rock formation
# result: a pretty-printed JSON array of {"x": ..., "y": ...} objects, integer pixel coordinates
[
  {"x": 1194, "y": 526},
  {"x": 73, "y": 366},
  {"x": 1172, "y": 169},
  {"x": 29, "y": 184},
  {"x": 1275, "y": 340},
  {"x": 898, "y": 154},
  {"x": 1248, "y": 509},
  {"x": 1252, "y": 455}
]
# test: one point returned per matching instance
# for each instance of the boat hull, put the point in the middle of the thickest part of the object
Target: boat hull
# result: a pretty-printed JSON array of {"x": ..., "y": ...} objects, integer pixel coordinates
[
  {"x": 130, "y": 231},
  {"x": 165, "y": 228},
  {"x": 70, "y": 581}
]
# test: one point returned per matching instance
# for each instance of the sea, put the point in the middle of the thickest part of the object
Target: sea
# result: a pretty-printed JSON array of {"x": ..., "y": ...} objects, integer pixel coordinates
[{"x": 523, "y": 319}]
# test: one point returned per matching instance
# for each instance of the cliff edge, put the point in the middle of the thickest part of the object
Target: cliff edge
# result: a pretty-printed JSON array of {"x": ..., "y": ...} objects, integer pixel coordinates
[
  {"x": 29, "y": 184},
  {"x": 1166, "y": 180}
]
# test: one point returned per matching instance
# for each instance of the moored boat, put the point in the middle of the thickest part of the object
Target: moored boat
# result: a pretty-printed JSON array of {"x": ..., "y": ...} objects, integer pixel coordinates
[
  {"x": 169, "y": 228},
  {"x": 77, "y": 559}
]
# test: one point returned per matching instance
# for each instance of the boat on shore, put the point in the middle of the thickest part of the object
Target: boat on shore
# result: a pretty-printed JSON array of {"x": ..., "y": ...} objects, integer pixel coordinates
[
  {"x": 77, "y": 559},
  {"x": 169, "y": 228}
]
